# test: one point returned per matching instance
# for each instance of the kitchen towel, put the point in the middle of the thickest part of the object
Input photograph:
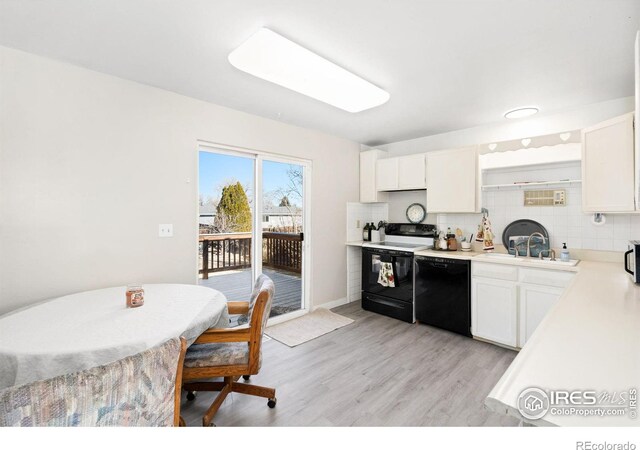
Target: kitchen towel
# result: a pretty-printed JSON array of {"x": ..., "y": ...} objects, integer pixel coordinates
[{"x": 386, "y": 278}]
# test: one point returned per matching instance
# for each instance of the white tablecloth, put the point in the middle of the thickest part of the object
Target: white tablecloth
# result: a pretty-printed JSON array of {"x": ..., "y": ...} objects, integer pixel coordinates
[{"x": 88, "y": 329}]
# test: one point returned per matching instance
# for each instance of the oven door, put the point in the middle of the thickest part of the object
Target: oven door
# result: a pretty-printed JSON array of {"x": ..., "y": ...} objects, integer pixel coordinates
[{"x": 401, "y": 264}]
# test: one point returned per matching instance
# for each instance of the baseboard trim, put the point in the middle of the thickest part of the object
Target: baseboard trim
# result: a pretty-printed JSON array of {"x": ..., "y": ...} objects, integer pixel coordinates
[{"x": 332, "y": 304}]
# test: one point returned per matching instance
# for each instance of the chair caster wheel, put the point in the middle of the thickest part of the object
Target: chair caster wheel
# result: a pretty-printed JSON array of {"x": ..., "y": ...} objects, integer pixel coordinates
[
  {"x": 272, "y": 402},
  {"x": 191, "y": 395},
  {"x": 211, "y": 425},
  {"x": 246, "y": 377}
]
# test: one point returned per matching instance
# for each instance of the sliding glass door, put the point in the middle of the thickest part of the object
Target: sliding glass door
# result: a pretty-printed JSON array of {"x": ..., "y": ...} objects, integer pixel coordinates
[
  {"x": 283, "y": 232},
  {"x": 252, "y": 220}
]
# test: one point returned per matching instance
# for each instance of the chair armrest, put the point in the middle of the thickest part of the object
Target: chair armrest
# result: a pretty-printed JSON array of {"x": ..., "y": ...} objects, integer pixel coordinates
[
  {"x": 216, "y": 335},
  {"x": 238, "y": 307}
]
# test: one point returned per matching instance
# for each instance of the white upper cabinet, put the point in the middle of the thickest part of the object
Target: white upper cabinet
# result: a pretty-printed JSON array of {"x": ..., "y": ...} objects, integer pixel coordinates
[
  {"x": 368, "y": 191},
  {"x": 387, "y": 174},
  {"x": 453, "y": 181},
  {"x": 401, "y": 173},
  {"x": 412, "y": 172},
  {"x": 608, "y": 166}
]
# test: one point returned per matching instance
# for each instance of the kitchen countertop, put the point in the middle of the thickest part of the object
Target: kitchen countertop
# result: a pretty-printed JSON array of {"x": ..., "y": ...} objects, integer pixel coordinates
[
  {"x": 589, "y": 340},
  {"x": 459, "y": 254},
  {"x": 525, "y": 261}
]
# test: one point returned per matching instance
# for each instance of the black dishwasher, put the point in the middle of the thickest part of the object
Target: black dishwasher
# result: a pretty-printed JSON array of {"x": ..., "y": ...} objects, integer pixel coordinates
[{"x": 443, "y": 293}]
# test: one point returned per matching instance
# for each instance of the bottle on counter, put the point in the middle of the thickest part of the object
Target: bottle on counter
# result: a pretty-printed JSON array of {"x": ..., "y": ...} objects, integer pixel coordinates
[
  {"x": 443, "y": 242},
  {"x": 365, "y": 232},
  {"x": 452, "y": 242},
  {"x": 564, "y": 254}
]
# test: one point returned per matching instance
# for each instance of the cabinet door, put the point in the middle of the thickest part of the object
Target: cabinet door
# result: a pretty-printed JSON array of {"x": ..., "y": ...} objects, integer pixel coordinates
[
  {"x": 453, "y": 181},
  {"x": 608, "y": 166},
  {"x": 368, "y": 191},
  {"x": 412, "y": 172},
  {"x": 387, "y": 174},
  {"x": 494, "y": 310},
  {"x": 535, "y": 303}
]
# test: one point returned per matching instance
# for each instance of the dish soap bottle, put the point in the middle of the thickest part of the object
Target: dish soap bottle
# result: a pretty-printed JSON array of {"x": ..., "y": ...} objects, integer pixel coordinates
[{"x": 564, "y": 254}]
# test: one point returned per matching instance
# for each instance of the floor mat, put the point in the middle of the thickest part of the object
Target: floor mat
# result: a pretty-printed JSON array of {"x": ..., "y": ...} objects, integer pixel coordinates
[{"x": 310, "y": 326}]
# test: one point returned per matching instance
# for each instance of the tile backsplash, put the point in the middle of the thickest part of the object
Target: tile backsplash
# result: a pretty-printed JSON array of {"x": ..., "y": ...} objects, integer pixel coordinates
[
  {"x": 364, "y": 213},
  {"x": 564, "y": 223}
]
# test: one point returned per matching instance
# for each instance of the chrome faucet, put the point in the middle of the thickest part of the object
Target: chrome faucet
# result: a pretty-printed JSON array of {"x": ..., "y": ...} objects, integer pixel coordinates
[
  {"x": 551, "y": 252},
  {"x": 544, "y": 241}
]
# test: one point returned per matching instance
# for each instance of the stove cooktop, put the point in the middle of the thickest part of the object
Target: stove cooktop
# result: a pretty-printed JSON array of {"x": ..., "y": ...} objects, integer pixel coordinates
[
  {"x": 401, "y": 246},
  {"x": 395, "y": 244}
]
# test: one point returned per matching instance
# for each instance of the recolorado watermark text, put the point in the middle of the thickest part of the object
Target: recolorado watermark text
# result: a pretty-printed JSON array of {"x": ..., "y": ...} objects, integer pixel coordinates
[{"x": 588, "y": 445}]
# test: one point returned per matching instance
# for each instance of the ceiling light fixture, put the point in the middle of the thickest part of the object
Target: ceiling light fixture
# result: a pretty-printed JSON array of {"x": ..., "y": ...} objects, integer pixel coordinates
[
  {"x": 274, "y": 58},
  {"x": 521, "y": 112}
]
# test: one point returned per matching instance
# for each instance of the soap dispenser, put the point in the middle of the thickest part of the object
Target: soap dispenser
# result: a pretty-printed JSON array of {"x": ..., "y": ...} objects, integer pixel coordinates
[{"x": 564, "y": 254}]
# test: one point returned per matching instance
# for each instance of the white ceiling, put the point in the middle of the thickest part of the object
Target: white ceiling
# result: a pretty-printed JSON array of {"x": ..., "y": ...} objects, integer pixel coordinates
[{"x": 447, "y": 64}]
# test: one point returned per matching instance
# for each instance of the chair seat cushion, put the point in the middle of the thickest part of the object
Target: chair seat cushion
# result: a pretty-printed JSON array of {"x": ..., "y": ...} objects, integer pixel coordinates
[{"x": 222, "y": 354}]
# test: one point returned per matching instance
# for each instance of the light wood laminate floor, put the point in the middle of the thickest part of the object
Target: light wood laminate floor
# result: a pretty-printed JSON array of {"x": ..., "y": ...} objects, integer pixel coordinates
[{"x": 377, "y": 371}]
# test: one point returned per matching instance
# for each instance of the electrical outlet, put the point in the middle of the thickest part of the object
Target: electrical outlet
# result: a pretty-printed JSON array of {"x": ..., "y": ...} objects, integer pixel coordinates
[
  {"x": 358, "y": 224},
  {"x": 165, "y": 230}
]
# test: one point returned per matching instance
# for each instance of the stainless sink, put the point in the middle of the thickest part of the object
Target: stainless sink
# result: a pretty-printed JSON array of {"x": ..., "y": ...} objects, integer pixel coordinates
[{"x": 529, "y": 260}]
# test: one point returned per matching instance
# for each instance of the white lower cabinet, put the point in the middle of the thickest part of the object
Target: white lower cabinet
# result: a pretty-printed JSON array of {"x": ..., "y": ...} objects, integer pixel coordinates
[
  {"x": 494, "y": 310},
  {"x": 506, "y": 307},
  {"x": 535, "y": 303}
]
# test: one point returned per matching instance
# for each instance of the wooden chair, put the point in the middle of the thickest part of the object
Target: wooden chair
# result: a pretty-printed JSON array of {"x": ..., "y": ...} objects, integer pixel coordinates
[
  {"x": 231, "y": 352},
  {"x": 139, "y": 390}
]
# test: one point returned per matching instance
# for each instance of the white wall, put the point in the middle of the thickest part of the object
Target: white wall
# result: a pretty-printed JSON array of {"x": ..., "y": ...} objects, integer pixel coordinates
[
  {"x": 399, "y": 202},
  {"x": 90, "y": 165},
  {"x": 506, "y": 130}
]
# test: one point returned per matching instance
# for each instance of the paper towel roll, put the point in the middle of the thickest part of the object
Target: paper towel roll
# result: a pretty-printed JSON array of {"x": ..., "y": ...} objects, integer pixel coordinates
[{"x": 598, "y": 219}]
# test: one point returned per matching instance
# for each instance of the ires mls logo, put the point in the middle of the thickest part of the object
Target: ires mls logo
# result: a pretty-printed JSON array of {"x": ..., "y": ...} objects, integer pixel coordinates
[{"x": 534, "y": 403}]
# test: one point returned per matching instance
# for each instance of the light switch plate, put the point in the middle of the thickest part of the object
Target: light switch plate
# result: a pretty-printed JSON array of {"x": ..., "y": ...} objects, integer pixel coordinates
[{"x": 165, "y": 230}]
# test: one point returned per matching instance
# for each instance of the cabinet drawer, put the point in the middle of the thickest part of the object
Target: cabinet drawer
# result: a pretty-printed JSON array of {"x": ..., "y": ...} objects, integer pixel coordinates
[
  {"x": 543, "y": 277},
  {"x": 495, "y": 271}
]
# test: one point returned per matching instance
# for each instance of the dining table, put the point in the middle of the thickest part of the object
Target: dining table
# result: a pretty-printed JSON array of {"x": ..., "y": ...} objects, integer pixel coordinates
[{"x": 88, "y": 329}]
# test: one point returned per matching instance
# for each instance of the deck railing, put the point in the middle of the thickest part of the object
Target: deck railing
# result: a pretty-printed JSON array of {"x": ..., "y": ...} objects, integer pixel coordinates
[
  {"x": 282, "y": 251},
  {"x": 232, "y": 251}
]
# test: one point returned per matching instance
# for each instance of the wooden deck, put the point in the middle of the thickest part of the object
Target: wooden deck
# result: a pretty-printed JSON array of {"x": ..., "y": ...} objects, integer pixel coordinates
[{"x": 237, "y": 285}]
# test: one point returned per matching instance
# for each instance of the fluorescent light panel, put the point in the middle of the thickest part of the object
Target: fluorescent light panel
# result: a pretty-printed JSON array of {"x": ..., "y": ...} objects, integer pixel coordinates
[{"x": 274, "y": 58}]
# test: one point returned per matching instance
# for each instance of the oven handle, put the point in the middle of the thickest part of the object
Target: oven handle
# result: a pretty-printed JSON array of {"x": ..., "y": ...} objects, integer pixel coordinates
[{"x": 626, "y": 261}]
